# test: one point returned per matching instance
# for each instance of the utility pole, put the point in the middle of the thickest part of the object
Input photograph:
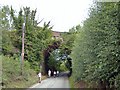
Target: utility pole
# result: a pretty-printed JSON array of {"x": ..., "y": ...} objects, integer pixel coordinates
[{"x": 22, "y": 54}]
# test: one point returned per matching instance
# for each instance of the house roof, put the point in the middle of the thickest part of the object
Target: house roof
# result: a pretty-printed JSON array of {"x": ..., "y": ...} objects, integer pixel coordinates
[{"x": 55, "y": 33}]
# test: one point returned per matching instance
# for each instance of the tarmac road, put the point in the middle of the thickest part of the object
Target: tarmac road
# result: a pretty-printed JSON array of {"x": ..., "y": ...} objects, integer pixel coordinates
[{"x": 58, "y": 82}]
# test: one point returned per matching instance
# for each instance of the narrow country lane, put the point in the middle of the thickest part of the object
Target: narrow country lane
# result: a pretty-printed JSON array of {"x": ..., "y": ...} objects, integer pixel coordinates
[{"x": 57, "y": 82}]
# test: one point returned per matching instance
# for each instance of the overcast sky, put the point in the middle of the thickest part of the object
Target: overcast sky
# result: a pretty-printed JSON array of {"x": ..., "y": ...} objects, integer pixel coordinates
[{"x": 63, "y": 14}]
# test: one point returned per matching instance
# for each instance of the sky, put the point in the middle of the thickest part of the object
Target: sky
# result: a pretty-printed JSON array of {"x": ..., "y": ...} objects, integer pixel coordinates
[{"x": 63, "y": 14}]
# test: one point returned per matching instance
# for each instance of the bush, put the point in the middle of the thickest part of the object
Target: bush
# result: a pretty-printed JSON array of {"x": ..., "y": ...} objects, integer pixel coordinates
[{"x": 12, "y": 70}]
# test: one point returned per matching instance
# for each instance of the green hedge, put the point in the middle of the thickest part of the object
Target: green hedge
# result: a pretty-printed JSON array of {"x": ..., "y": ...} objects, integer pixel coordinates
[{"x": 96, "y": 54}]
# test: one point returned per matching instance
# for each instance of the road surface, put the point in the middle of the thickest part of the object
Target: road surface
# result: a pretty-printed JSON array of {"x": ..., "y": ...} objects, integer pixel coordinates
[{"x": 57, "y": 82}]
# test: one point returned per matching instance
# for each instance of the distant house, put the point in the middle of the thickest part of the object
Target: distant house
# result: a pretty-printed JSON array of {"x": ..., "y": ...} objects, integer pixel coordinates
[{"x": 56, "y": 35}]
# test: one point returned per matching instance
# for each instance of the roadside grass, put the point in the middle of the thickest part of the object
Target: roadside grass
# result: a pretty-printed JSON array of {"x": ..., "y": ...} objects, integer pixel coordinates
[
  {"x": 11, "y": 73},
  {"x": 22, "y": 83},
  {"x": 25, "y": 83},
  {"x": 79, "y": 84},
  {"x": 71, "y": 82}
]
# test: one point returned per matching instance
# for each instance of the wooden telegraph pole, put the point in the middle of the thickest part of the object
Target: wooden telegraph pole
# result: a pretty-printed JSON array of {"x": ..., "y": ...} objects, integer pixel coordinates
[{"x": 22, "y": 54}]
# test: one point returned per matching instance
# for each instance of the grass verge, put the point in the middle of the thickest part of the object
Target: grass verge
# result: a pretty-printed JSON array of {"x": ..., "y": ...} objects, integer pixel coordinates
[
  {"x": 71, "y": 82},
  {"x": 11, "y": 73},
  {"x": 24, "y": 83}
]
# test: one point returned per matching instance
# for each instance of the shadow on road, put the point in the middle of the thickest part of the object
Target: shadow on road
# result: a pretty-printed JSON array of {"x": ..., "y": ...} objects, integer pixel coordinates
[{"x": 63, "y": 74}]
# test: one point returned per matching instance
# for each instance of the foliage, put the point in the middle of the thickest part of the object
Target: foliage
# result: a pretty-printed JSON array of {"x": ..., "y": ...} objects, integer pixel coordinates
[
  {"x": 54, "y": 62},
  {"x": 66, "y": 47},
  {"x": 5, "y": 19},
  {"x": 63, "y": 66},
  {"x": 69, "y": 37},
  {"x": 7, "y": 46},
  {"x": 36, "y": 38},
  {"x": 96, "y": 52},
  {"x": 11, "y": 71}
]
